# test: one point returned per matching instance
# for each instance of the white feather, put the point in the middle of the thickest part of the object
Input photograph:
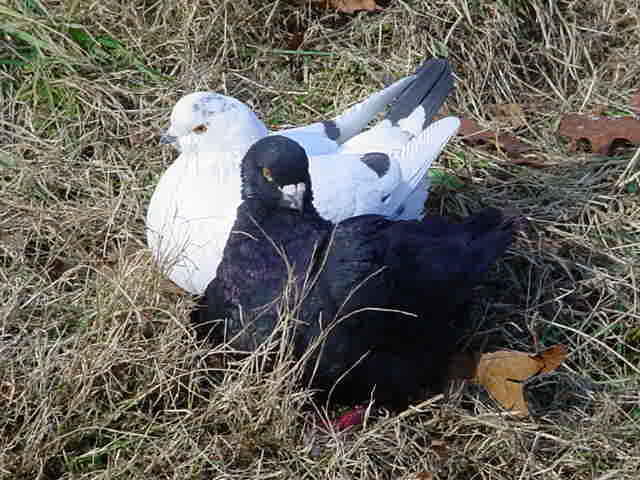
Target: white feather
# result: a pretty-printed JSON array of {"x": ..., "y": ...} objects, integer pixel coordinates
[
  {"x": 414, "y": 160},
  {"x": 356, "y": 118},
  {"x": 191, "y": 214}
]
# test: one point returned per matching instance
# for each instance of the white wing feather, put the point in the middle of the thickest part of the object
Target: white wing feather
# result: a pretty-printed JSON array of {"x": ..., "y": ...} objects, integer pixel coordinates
[{"x": 353, "y": 120}]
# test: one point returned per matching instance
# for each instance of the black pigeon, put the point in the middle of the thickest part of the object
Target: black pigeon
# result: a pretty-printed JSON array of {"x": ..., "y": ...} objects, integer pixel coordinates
[{"x": 385, "y": 293}]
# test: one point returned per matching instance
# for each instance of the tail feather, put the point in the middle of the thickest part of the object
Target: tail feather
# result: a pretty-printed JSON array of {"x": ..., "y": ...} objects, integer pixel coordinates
[
  {"x": 430, "y": 88},
  {"x": 415, "y": 159},
  {"x": 490, "y": 219},
  {"x": 437, "y": 256},
  {"x": 488, "y": 248},
  {"x": 417, "y": 156},
  {"x": 491, "y": 233},
  {"x": 482, "y": 222}
]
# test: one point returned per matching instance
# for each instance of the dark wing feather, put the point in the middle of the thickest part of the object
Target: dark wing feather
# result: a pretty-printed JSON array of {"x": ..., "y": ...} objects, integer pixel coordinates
[{"x": 428, "y": 269}]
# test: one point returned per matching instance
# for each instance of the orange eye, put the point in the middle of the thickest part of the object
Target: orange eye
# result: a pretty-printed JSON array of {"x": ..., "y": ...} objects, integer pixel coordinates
[
  {"x": 266, "y": 173},
  {"x": 200, "y": 128}
]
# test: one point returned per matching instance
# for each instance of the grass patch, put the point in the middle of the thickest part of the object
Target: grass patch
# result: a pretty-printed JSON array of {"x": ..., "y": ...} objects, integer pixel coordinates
[{"x": 101, "y": 377}]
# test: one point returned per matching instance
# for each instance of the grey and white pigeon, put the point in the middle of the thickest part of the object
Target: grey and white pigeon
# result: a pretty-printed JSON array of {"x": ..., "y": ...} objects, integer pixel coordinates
[{"x": 382, "y": 170}]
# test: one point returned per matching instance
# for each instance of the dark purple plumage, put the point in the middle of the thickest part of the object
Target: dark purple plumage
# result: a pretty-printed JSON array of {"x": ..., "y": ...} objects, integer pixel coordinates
[{"x": 425, "y": 268}]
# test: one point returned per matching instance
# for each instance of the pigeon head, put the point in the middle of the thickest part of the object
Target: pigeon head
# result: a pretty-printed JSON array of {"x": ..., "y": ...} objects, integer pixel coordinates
[
  {"x": 207, "y": 121},
  {"x": 275, "y": 174}
]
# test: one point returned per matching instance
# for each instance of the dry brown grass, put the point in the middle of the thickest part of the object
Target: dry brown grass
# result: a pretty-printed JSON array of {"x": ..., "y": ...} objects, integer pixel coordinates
[{"x": 99, "y": 374}]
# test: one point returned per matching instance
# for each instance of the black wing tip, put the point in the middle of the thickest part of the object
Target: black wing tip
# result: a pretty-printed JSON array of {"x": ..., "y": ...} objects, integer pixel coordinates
[
  {"x": 430, "y": 89},
  {"x": 433, "y": 65}
]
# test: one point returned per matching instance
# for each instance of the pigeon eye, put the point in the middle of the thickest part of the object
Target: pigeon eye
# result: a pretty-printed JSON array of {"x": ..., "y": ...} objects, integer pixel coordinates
[
  {"x": 266, "y": 173},
  {"x": 200, "y": 128}
]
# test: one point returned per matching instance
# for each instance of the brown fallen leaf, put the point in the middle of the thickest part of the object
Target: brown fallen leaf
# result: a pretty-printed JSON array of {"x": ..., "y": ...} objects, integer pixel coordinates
[
  {"x": 600, "y": 132},
  {"x": 504, "y": 372},
  {"x": 350, "y": 6},
  {"x": 510, "y": 114},
  {"x": 474, "y": 134}
]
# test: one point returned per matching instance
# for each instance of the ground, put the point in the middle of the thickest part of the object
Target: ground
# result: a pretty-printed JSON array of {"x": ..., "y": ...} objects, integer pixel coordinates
[{"x": 100, "y": 375}]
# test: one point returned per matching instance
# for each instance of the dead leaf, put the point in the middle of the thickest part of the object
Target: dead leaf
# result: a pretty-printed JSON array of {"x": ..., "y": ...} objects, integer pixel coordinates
[
  {"x": 350, "y": 6},
  {"x": 510, "y": 114},
  {"x": 474, "y": 134},
  {"x": 504, "y": 372},
  {"x": 600, "y": 132}
]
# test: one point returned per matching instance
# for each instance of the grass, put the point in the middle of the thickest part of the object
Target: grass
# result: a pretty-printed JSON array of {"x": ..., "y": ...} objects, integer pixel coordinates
[{"x": 100, "y": 376}]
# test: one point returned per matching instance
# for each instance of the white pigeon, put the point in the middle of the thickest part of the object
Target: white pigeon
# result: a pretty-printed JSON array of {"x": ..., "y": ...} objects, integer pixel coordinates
[{"x": 382, "y": 170}]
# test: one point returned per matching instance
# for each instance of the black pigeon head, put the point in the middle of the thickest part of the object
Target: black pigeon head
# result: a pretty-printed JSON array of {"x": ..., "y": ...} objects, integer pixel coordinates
[{"x": 270, "y": 168}]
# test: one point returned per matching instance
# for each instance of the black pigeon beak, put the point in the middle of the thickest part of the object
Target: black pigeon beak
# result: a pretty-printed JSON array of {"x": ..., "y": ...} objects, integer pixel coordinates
[{"x": 293, "y": 196}]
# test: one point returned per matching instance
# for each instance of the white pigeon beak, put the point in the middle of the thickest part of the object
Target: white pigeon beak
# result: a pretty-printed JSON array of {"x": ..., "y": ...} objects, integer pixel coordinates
[{"x": 293, "y": 196}]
